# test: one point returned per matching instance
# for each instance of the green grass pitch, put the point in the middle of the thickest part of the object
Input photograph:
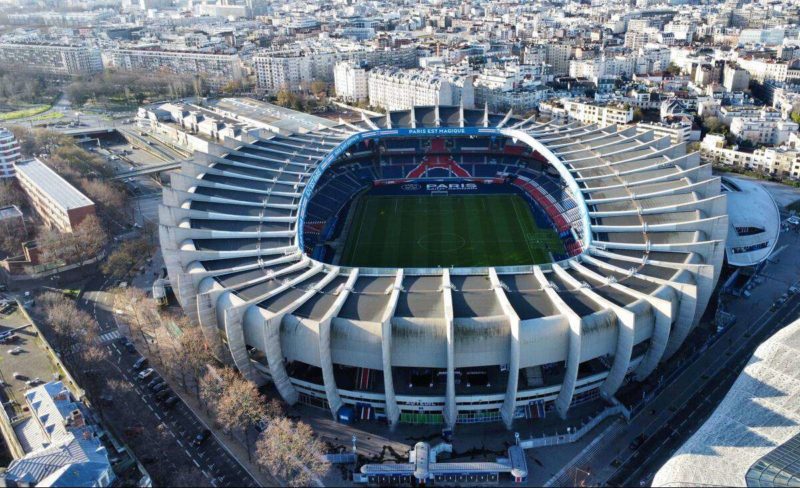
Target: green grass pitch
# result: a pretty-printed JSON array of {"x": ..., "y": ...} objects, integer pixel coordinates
[{"x": 453, "y": 230}]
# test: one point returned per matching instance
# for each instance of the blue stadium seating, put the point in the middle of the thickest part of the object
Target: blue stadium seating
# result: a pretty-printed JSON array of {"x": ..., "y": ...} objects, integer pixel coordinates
[{"x": 552, "y": 204}]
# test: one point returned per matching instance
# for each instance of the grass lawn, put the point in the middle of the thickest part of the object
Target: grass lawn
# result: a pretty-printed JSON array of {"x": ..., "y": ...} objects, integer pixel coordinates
[
  {"x": 23, "y": 113},
  {"x": 55, "y": 114},
  {"x": 453, "y": 230}
]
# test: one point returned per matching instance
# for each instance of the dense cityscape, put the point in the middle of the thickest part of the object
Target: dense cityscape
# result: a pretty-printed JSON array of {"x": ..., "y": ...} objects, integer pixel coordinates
[{"x": 399, "y": 243}]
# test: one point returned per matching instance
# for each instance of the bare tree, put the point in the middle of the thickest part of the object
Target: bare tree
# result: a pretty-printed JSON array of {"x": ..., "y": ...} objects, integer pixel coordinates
[
  {"x": 111, "y": 200},
  {"x": 212, "y": 385},
  {"x": 12, "y": 234},
  {"x": 289, "y": 451},
  {"x": 240, "y": 407},
  {"x": 128, "y": 254},
  {"x": 72, "y": 328},
  {"x": 142, "y": 318},
  {"x": 85, "y": 242},
  {"x": 194, "y": 354},
  {"x": 10, "y": 194}
]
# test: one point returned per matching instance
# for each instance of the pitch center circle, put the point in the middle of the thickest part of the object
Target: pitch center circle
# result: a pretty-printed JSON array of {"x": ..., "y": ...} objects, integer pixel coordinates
[{"x": 445, "y": 242}]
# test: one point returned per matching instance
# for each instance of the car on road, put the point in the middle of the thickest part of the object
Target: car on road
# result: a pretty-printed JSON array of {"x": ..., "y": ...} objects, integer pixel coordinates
[
  {"x": 127, "y": 344},
  {"x": 637, "y": 443},
  {"x": 144, "y": 375},
  {"x": 200, "y": 438},
  {"x": 140, "y": 363},
  {"x": 171, "y": 402}
]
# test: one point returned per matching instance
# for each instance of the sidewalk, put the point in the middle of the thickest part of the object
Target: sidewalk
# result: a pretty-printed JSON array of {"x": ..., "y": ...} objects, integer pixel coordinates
[{"x": 233, "y": 446}]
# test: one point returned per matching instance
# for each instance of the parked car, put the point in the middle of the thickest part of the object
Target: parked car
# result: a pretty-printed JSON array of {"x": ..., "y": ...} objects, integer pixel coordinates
[
  {"x": 140, "y": 363},
  {"x": 154, "y": 382},
  {"x": 163, "y": 394},
  {"x": 159, "y": 387},
  {"x": 133, "y": 431},
  {"x": 200, "y": 438},
  {"x": 15, "y": 350},
  {"x": 171, "y": 402},
  {"x": 144, "y": 375}
]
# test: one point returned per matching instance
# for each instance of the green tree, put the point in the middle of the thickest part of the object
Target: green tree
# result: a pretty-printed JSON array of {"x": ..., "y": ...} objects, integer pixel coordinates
[
  {"x": 673, "y": 69},
  {"x": 319, "y": 88},
  {"x": 714, "y": 125}
]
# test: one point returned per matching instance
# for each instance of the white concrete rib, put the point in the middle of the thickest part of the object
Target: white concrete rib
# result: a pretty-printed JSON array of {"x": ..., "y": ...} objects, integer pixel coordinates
[{"x": 636, "y": 179}]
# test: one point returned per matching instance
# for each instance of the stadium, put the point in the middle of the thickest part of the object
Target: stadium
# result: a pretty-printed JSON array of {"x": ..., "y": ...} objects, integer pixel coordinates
[{"x": 443, "y": 265}]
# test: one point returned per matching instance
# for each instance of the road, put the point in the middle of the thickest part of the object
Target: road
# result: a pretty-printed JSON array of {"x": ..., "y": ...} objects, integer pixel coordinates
[
  {"x": 712, "y": 385},
  {"x": 671, "y": 417},
  {"x": 180, "y": 424}
]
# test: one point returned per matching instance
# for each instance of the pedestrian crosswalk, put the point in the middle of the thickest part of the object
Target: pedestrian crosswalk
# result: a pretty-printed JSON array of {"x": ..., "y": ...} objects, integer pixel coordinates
[{"x": 110, "y": 336}]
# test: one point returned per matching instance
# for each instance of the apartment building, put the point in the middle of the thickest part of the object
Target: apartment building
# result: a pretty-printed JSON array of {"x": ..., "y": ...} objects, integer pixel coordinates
[
  {"x": 59, "y": 204},
  {"x": 558, "y": 55},
  {"x": 781, "y": 161},
  {"x": 520, "y": 100},
  {"x": 680, "y": 131},
  {"x": 295, "y": 68},
  {"x": 9, "y": 153},
  {"x": 763, "y": 130},
  {"x": 592, "y": 113},
  {"x": 62, "y": 443},
  {"x": 216, "y": 69},
  {"x": 54, "y": 59},
  {"x": 397, "y": 89},
  {"x": 735, "y": 78},
  {"x": 350, "y": 81},
  {"x": 762, "y": 70},
  {"x": 602, "y": 67}
]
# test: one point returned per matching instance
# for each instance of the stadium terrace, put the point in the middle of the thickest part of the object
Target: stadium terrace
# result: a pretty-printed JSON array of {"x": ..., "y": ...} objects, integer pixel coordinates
[{"x": 443, "y": 265}]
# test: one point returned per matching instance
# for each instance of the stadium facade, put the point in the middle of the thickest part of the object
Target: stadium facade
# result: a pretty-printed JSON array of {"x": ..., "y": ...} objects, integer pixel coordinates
[{"x": 251, "y": 236}]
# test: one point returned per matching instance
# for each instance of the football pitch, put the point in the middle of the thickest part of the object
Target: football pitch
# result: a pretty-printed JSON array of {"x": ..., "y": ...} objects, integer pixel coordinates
[{"x": 453, "y": 230}]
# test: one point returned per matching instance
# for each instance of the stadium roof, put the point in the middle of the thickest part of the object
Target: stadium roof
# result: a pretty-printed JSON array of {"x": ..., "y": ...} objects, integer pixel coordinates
[
  {"x": 753, "y": 437},
  {"x": 754, "y": 222}
]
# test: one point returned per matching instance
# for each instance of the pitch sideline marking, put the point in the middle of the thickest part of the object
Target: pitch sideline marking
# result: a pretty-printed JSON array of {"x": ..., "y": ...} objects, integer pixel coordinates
[{"x": 519, "y": 223}]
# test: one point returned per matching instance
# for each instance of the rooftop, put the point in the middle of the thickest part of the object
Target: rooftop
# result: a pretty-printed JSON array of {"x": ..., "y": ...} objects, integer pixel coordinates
[
  {"x": 65, "y": 195},
  {"x": 65, "y": 450},
  {"x": 10, "y": 212},
  {"x": 274, "y": 115},
  {"x": 749, "y": 437}
]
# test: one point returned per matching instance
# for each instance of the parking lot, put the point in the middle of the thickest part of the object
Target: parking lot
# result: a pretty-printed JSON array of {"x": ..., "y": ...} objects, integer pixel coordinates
[{"x": 31, "y": 362}]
